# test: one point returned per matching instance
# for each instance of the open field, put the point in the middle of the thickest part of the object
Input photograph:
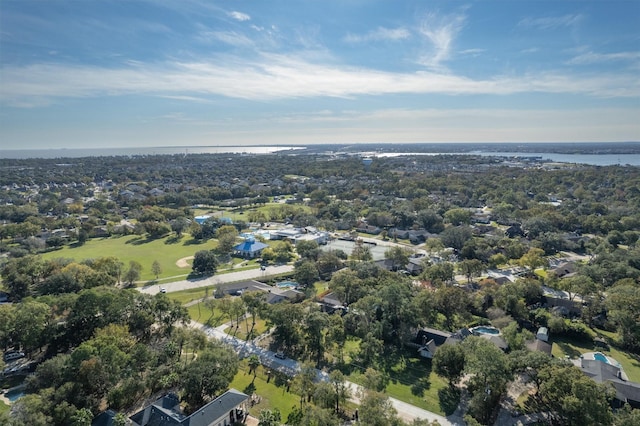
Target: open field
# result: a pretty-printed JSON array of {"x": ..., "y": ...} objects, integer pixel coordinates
[
  {"x": 242, "y": 213},
  {"x": 165, "y": 250}
]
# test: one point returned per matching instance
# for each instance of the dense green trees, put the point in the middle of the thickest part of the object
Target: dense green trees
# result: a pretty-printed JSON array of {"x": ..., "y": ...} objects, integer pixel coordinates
[
  {"x": 573, "y": 398},
  {"x": 208, "y": 375},
  {"x": 205, "y": 262}
]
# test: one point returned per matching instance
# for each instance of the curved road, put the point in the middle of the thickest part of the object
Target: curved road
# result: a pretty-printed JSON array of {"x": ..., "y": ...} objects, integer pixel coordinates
[
  {"x": 406, "y": 412},
  {"x": 250, "y": 274}
]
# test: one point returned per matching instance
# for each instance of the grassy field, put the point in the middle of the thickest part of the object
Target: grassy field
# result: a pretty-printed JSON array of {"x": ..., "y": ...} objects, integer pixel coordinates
[
  {"x": 574, "y": 348},
  {"x": 411, "y": 381},
  {"x": 165, "y": 250},
  {"x": 241, "y": 332},
  {"x": 241, "y": 213},
  {"x": 271, "y": 395},
  {"x": 4, "y": 408}
]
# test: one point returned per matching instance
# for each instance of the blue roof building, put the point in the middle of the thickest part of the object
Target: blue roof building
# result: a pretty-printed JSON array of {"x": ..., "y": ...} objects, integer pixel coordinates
[{"x": 249, "y": 249}]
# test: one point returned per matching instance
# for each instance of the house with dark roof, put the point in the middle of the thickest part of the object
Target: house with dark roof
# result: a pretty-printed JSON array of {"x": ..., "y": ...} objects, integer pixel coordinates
[
  {"x": 228, "y": 408},
  {"x": 565, "y": 269},
  {"x": 602, "y": 372},
  {"x": 249, "y": 249},
  {"x": 537, "y": 345},
  {"x": 104, "y": 419},
  {"x": 273, "y": 294},
  {"x": 431, "y": 339}
]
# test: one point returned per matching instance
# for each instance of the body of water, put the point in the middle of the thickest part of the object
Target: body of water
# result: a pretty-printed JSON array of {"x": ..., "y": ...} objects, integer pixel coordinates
[
  {"x": 592, "y": 159},
  {"x": 163, "y": 150}
]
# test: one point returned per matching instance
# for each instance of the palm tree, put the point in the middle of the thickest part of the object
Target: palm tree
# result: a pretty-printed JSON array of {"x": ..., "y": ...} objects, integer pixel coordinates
[{"x": 253, "y": 363}]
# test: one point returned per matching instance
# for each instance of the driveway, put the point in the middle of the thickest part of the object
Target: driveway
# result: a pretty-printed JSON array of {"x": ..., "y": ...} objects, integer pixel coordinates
[
  {"x": 251, "y": 274},
  {"x": 406, "y": 412}
]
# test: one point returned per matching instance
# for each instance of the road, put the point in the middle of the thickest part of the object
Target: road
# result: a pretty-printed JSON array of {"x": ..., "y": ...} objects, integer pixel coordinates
[
  {"x": 406, "y": 412},
  {"x": 250, "y": 274}
]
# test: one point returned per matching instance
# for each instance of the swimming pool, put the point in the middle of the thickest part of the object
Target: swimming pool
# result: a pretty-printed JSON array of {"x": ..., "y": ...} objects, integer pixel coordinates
[
  {"x": 601, "y": 357},
  {"x": 14, "y": 394},
  {"x": 287, "y": 284},
  {"x": 482, "y": 329}
]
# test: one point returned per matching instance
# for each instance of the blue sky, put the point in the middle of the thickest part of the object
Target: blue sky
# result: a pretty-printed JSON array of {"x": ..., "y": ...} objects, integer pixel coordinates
[{"x": 132, "y": 73}]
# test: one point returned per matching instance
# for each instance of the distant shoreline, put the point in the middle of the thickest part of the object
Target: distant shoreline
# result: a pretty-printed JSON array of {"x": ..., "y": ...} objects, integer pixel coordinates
[{"x": 599, "y": 154}]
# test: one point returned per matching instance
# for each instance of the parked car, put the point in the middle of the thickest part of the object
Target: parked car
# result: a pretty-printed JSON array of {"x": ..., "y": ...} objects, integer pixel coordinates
[{"x": 12, "y": 355}]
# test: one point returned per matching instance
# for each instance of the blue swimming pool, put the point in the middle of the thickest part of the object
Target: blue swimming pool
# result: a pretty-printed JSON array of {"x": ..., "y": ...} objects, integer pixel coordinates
[
  {"x": 486, "y": 330},
  {"x": 287, "y": 284},
  {"x": 14, "y": 394},
  {"x": 601, "y": 357}
]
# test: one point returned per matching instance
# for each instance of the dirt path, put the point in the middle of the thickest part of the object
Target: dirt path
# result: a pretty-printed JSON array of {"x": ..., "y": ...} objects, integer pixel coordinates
[{"x": 182, "y": 263}]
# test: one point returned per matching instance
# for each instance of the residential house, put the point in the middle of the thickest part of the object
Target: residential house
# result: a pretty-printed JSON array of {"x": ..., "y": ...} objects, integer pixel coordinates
[
  {"x": 365, "y": 228},
  {"x": 227, "y": 409},
  {"x": 537, "y": 345},
  {"x": 273, "y": 294},
  {"x": 431, "y": 339},
  {"x": 602, "y": 372},
  {"x": 564, "y": 270},
  {"x": 514, "y": 231},
  {"x": 104, "y": 419}
]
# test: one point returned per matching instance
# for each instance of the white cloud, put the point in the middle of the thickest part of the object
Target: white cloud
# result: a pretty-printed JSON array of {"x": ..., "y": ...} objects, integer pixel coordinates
[
  {"x": 472, "y": 52},
  {"x": 229, "y": 37},
  {"x": 379, "y": 34},
  {"x": 281, "y": 77},
  {"x": 435, "y": 125},
  {"x": 239, "y": 16},
  {"x": 551, "y": 22},
  {"x": 591, "y": 57},
  {"x": 440, "y": 32}
]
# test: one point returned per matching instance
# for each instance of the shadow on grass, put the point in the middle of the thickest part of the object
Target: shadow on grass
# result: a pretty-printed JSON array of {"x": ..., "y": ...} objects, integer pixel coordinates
[
  {"x": 449, "y": 398},
  {"x": 193, "y": 242},
  {"x": 568, "y": 350},
  {"x": 407, "y": 368},
  {"x": 249, "y": 389},
  {"x": 174, "y": 239},
  {"x": 420, "y": 386},
  {"x": 214, "y": 321}
]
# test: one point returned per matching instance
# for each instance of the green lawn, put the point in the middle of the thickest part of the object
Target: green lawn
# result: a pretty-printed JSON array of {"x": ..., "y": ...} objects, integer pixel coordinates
[
  {"x": 574, "y": 348},
  {"x": 186, "y": 296},
  {"x": 202, "y": 314},
  {"x": 133, "y": 247},
  {"x": 241, "y": 213},
  {"x": 4, "y": 408},
  {"x": 411, "y": 381},
  {"x": 241, "y": 332},
  {"x": 272, "y": 396}
]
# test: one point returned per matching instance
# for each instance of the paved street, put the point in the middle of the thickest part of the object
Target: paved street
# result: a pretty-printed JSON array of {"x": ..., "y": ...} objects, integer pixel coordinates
[
  {"x": 252, "y": 274},
  {"x": 406, "y": 412}
]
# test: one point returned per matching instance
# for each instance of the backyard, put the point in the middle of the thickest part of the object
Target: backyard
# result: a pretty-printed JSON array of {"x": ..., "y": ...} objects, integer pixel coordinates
[{"x": 573, "y": 348}]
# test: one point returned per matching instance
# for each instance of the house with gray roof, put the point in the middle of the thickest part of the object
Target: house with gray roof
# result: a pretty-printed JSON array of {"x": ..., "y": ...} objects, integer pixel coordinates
[
  {"x": 602, "y": 372},
  {"x": 228, "y": 408}
]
